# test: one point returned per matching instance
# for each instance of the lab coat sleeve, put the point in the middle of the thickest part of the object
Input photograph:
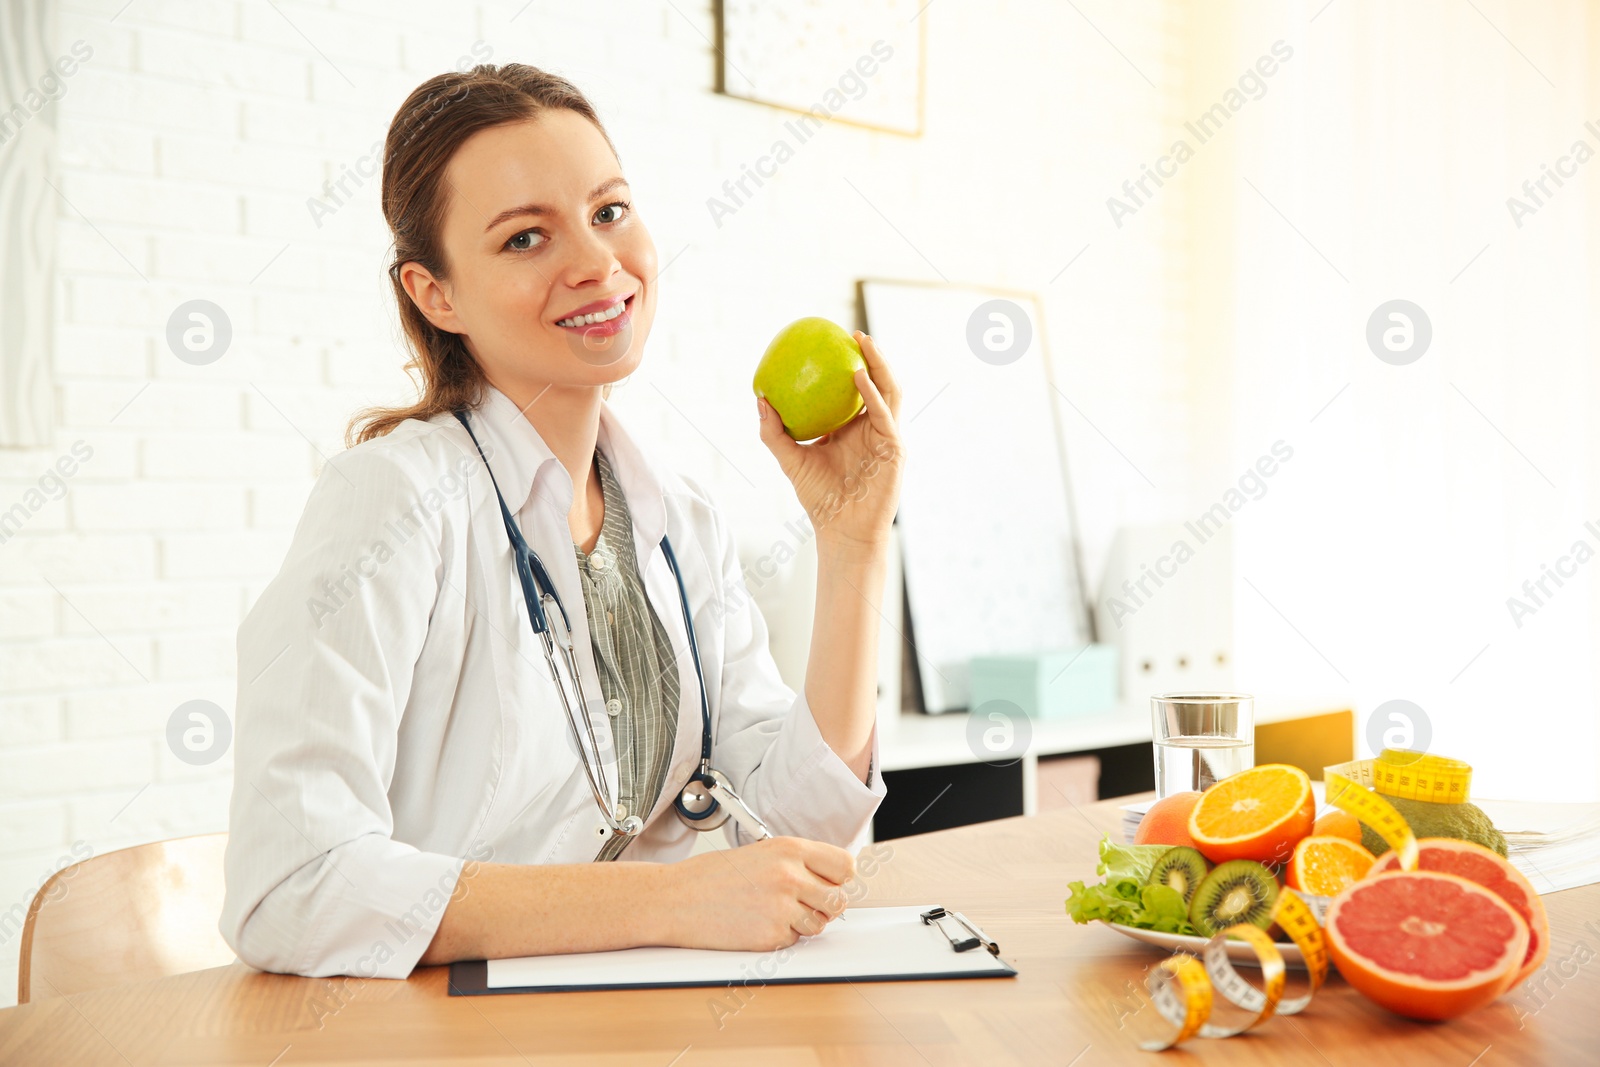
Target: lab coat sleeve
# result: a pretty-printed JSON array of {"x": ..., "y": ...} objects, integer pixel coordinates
[
  {"x": 315, "y": 885},
  {"x": 767, "y": 741}
]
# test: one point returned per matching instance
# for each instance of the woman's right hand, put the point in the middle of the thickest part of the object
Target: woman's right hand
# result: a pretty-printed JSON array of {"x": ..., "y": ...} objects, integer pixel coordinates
[{"x": 757, "y": 897}]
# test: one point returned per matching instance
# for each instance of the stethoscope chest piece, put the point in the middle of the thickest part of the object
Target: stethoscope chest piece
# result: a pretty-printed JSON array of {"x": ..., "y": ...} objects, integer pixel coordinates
[{"x": 697, "y": 807}]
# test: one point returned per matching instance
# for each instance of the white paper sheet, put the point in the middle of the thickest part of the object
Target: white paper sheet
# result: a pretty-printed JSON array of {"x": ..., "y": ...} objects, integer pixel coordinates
[{"x": 889, "y": 942}]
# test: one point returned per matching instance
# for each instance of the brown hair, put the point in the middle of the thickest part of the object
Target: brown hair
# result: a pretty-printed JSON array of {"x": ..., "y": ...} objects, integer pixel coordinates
[{"x": 438, "y": 116}]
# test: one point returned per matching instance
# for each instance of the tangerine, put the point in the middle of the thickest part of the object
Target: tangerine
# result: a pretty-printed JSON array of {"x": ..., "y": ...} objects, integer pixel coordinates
[{"x": 1338, "y": 823}]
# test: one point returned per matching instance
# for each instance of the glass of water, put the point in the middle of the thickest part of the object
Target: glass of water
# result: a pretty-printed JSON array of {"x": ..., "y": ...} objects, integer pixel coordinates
[{"x": 1201, "y": 738}]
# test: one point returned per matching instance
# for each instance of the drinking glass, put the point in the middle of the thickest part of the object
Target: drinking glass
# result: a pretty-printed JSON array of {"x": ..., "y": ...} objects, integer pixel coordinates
[{"x": 1201, "y": 738}]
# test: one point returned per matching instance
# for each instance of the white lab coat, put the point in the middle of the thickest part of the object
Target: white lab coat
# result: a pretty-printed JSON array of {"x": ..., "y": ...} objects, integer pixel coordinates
[{"x": 396, "y": 716}]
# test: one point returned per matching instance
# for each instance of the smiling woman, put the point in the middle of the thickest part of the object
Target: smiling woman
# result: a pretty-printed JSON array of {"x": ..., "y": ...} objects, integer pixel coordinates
[
  {"x": 460, "y": 186},
  {"x": 419, "y": 777}
]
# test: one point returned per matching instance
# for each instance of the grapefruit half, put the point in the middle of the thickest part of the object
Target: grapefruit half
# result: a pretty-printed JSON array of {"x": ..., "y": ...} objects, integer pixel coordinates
[
  {"x": 1482, "y": 865},
  {"x": 1424, "y": 944}
]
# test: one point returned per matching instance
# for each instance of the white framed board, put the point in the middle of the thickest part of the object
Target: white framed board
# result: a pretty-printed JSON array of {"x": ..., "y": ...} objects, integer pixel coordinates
[{"x": 987, "y": 527}]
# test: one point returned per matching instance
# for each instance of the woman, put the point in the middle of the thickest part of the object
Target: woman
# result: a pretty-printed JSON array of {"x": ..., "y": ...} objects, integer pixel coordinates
[{"x": 407, "y": 787}]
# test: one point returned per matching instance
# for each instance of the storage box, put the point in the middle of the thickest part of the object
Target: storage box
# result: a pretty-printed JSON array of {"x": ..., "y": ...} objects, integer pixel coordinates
[{"x": 1049, "y": 685}]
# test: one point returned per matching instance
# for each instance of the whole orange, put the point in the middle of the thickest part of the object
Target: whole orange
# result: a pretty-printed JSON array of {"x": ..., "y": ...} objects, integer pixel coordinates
[{"x": 1167, "y": 821}]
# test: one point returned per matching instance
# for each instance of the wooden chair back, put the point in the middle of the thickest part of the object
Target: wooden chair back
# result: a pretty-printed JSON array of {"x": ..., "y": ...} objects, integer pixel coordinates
[{"x": 127, "y": 916}]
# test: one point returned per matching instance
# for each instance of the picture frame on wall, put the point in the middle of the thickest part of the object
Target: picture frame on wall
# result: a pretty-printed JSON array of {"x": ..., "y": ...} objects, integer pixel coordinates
[{"x": 859, "y": 62}]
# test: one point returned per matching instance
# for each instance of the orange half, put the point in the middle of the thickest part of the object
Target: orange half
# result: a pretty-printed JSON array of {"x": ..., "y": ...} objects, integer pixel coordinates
[
  {"x": 1326, "y": 865},
  {"x": 1258, "y": 814}
]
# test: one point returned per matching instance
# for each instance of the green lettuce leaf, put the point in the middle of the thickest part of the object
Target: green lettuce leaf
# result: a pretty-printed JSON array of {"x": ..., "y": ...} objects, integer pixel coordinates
[
  {"x": 1124, "y": 897},
  {"x": 1134, "y": 861}
]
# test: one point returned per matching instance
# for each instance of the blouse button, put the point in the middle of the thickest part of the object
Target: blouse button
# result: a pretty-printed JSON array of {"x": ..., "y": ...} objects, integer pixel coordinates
[{"x": 613, "y": 707}]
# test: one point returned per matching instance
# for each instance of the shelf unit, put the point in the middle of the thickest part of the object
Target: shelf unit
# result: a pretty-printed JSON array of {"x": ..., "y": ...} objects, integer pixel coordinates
[{"x": 916, "y": 742}]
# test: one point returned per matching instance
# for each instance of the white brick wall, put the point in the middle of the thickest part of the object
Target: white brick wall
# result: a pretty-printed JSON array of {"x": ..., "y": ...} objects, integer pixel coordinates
[{"x": 190, "y": 144}]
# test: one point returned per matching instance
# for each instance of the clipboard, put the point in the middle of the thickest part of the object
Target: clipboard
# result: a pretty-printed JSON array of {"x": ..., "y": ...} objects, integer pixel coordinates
[{"x": 885, "y": 944}]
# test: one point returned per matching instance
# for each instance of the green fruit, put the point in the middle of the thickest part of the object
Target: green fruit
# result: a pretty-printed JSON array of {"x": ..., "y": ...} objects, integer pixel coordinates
[
  {"x": 1464, "y": 822},
  {"x": 1181, "y": 868},
  {"x": 1239, "y": 891},
  {"x": 808, "y": 376}
]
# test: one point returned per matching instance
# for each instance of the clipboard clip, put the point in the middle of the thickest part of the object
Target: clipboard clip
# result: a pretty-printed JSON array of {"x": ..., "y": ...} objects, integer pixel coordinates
[{"x": 974, "y": 938}]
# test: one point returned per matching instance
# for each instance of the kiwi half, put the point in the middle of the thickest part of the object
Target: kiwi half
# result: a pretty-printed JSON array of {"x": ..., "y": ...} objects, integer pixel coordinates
[
  {"x": 1239, "y": 891},
  {"x": 1181, "y": 868}
]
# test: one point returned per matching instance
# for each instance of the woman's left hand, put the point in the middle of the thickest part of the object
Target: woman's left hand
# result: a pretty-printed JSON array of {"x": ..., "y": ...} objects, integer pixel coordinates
[{"x": 848, "y": 480}]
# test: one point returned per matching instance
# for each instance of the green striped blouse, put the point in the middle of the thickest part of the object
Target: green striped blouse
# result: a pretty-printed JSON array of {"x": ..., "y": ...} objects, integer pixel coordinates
[{"x": 638, "y": 671}]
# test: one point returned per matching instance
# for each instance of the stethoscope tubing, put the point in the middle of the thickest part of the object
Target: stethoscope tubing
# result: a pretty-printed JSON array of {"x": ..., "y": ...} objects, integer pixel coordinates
[{"x": 540, "y": 593}]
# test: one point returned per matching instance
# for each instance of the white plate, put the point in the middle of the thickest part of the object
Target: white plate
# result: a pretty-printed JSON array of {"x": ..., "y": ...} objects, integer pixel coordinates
[{"x": 1238, "y": 951}]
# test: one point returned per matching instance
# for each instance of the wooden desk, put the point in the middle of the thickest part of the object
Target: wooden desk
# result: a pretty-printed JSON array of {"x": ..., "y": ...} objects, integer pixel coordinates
[{"x": 1071, "y": 1004}]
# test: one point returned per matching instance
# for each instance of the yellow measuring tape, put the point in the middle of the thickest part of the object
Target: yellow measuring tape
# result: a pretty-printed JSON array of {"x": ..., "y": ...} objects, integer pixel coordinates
[
  {"x": 1360, "y": 786},
  {"x": 1183, "y": 988},
  {"x": 1420, "y": 776}
]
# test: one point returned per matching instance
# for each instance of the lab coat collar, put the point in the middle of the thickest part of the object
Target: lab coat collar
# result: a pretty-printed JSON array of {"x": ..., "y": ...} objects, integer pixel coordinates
[
  {"x": 525, "y": 468},
  {"x": 526, "y": 465}
]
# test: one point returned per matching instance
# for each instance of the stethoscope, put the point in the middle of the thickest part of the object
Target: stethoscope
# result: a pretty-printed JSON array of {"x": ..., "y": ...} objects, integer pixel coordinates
[{"x": 707, "y": 800}]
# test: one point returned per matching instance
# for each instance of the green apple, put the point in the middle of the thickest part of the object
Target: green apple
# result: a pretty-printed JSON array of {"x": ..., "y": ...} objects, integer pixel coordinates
[{"x": 808, "y": 376}]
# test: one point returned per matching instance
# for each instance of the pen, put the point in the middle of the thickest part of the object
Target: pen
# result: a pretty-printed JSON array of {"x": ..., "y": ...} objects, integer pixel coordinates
[{"x": 740, "y": 810}]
